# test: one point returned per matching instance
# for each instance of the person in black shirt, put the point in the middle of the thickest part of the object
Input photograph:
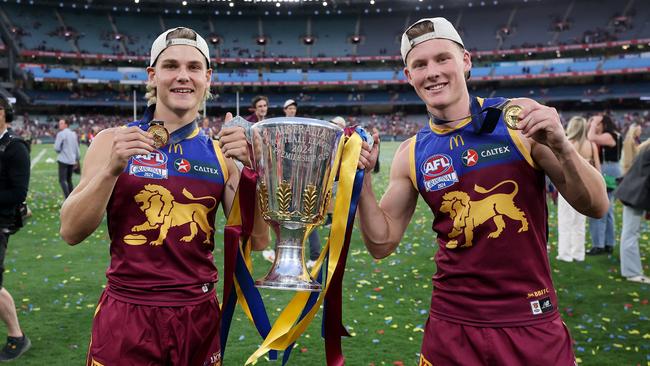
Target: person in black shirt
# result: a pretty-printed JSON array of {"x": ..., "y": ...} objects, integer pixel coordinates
[
  {"x": 14, "y": 181},
  {"x": 604, "y": 133}
]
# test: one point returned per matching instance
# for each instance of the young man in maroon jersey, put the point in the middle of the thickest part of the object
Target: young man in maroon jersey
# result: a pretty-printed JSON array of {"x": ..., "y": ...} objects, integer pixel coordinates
[
  {"x": 260, "y": 106},
  {"x": 160, "y": 306},
  {"x": 494, "y": 301}
]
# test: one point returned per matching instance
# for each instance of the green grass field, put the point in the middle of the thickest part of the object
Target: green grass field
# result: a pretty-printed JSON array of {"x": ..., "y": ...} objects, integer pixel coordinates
[{"x": 386, "y": 302}]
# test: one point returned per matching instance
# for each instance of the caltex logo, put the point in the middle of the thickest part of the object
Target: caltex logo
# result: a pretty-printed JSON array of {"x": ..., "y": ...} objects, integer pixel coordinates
[
  {"x": 470, "y": 157},
  {"x": 182, "y": 165}
]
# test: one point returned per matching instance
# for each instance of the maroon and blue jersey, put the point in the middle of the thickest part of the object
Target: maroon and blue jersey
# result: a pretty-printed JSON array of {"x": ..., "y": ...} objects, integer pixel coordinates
[
  {"x": 488, "y": 198},
  {"x": 161, "y": 221}
]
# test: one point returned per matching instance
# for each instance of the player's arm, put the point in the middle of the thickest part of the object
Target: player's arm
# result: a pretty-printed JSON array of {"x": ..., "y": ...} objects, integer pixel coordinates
[
  {"x": 578, "y": 182},
  {"x": 602, "y": 139},
  {"x": 234, "y": 146},
  {"x": 383, "y": 224},
  {"x": 106, "y": 158}
]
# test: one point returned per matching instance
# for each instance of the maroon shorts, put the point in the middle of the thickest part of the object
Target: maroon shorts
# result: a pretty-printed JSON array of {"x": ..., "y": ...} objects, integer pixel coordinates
[
  {"x": 127, "y": 334},
  {"x": 544, "y": 344}
]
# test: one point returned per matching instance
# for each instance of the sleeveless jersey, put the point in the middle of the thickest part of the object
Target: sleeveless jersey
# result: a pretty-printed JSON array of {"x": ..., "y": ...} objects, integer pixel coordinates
[
  {"x": 161, "y": 222},
  {"x": 612, "y": 154},
  {"x": 490, "y": 217}
]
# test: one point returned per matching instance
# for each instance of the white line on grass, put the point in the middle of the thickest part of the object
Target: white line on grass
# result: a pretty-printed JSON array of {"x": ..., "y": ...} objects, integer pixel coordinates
[{"x": 38, "y": 157}]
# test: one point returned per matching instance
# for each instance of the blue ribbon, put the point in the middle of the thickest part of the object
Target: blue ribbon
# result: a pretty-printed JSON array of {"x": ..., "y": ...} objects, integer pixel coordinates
[{"x": 252, "y": 295}]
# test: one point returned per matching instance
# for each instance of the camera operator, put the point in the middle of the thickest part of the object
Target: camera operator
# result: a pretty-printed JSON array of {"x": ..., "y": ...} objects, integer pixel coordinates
[{"x": 14, "y": 181}]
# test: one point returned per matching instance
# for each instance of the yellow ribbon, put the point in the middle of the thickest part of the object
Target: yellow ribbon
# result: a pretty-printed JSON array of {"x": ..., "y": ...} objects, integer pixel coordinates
[
  {"x": 234, "y": 219},
  {"x": 287, "y": 328}
]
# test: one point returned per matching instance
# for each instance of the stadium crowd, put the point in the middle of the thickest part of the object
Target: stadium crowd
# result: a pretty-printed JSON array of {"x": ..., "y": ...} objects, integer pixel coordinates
[{"x": 396, "y": 126}]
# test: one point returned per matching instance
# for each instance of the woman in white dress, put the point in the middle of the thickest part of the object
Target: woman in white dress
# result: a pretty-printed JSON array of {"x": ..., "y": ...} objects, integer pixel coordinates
[{"x": 571, "y": 223}]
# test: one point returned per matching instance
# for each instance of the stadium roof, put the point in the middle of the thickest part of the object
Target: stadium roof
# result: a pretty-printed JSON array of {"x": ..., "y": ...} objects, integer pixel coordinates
[{"x": 296, "y": 6}]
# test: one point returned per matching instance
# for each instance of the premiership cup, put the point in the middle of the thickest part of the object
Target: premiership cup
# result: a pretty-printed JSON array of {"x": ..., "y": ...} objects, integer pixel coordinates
[{"x": 293, "y": 160}]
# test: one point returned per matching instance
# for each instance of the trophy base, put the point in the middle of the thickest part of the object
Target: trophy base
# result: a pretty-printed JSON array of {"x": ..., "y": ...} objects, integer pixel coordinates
[{"x": 289, "y": 284}]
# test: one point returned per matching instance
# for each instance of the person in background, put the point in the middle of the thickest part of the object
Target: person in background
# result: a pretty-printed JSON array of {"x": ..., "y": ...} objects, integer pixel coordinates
[
  {"x": 14, "y": 184},
  {"x": 66, "y": 145},
  {"x": 290, "y": 108},
  {"x": 604, "y": 133},
  {"x": 205, "y": 127},
  {"x": 634, "y": 193},
  {"x": 376, "y": 168},
  {"x": 571, "y": 223},
  {"x": 260, "y": 106},
  {"x": 630, "y": 147}
]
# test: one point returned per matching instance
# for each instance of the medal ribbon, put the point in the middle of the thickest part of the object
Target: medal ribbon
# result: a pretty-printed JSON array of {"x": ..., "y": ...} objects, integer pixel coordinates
[
  {"x": 174, "y": 137},
  {"x": 481, "y": 123}
]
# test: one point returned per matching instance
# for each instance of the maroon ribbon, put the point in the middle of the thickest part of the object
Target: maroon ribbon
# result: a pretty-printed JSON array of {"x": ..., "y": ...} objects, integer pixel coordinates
[
  {"x": 333, "y": 307},
  {"x": 233, "y": 234}
]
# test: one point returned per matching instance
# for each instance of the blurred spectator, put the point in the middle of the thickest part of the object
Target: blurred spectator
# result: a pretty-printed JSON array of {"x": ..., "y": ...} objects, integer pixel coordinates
[
  {"x": 571, "y": 223},
  {"x": 634, "y": 192},
  {"x": 67, "y": 147},
  {"x": 630, "y": 147},
  {"x": 604, "y": 133}
]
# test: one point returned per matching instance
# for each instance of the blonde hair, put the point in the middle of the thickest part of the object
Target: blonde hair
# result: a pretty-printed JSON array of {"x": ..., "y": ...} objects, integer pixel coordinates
[
  {"x": 644, "y": 145},
  {"x": 630, "y": 147},
  {"x": 576, "y": 129},
  {"x": 184, "y": 33}
]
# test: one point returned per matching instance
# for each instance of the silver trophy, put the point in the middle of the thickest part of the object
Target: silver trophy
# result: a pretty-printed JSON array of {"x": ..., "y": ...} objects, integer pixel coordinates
[{"x": 293, "y": 160}]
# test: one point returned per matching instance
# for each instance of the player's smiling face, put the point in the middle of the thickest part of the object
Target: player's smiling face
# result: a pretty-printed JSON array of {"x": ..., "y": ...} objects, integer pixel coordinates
[
  {"x": 261, "y": 108},
  {"x": 436, "y": 69},
  {"x": 181, "y": 78}
]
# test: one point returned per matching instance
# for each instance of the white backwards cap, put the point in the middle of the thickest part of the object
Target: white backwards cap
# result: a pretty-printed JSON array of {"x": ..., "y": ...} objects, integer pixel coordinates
[
  {"x": 442, "y": 28},
  {"x": 161, "y": 43}
]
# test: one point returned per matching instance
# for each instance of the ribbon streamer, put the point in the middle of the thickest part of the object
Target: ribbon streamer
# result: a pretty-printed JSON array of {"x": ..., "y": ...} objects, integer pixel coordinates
[{"x": 329, "y": 267}]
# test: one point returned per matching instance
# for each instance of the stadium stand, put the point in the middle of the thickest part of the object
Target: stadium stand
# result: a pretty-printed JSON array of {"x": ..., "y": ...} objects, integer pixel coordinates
[
  {"x": 608, "y": 76},
  {"x": 380, "y": 43},
  {"x": 285, "y": 37},
  {"x": 36, "y": 28},
  {"x": 331, "y": 36},
  {"x": 524, "y": 24},
  {"x": 138, "y": 39},
  {"x": 530, "y": 26},
  {"x": 621, "y": 64}
]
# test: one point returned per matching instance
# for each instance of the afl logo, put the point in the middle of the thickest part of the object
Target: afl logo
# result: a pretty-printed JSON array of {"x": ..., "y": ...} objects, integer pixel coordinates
[
  {"x": 182, "y": 165},
  {"x": 153, "y": 159},
  {"x": 436, "y": 166}
]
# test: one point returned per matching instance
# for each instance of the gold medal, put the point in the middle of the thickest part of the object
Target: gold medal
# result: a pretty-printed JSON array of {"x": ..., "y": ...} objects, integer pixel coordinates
[
  {"x": 511, "y": 115},
  {"x": 159, "y": 132}
]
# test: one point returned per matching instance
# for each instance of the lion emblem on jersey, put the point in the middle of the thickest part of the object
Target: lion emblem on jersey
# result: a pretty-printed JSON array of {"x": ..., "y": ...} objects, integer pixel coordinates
[
  {"x": 163, "y": 212},
  {"x": 467, "y": 214}
]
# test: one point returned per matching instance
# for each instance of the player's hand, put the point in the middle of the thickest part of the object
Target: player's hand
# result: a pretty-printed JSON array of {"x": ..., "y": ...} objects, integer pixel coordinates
[
  {"x": 542, "y": 124},
  {"x": 232, "y": 141},
  {"x": 128, "y": 142},
  {"x": 368, "y": 157}
]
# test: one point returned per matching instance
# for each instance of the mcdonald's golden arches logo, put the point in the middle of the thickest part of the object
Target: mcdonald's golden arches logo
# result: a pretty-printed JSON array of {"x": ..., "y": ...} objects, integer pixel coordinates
[
  {"x": 177, "y": 149},
  {"x": 455, "y": 141}
]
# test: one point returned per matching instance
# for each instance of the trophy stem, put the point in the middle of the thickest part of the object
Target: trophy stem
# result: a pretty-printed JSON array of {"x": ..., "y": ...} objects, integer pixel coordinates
[{"x": 289, "y": 271}]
